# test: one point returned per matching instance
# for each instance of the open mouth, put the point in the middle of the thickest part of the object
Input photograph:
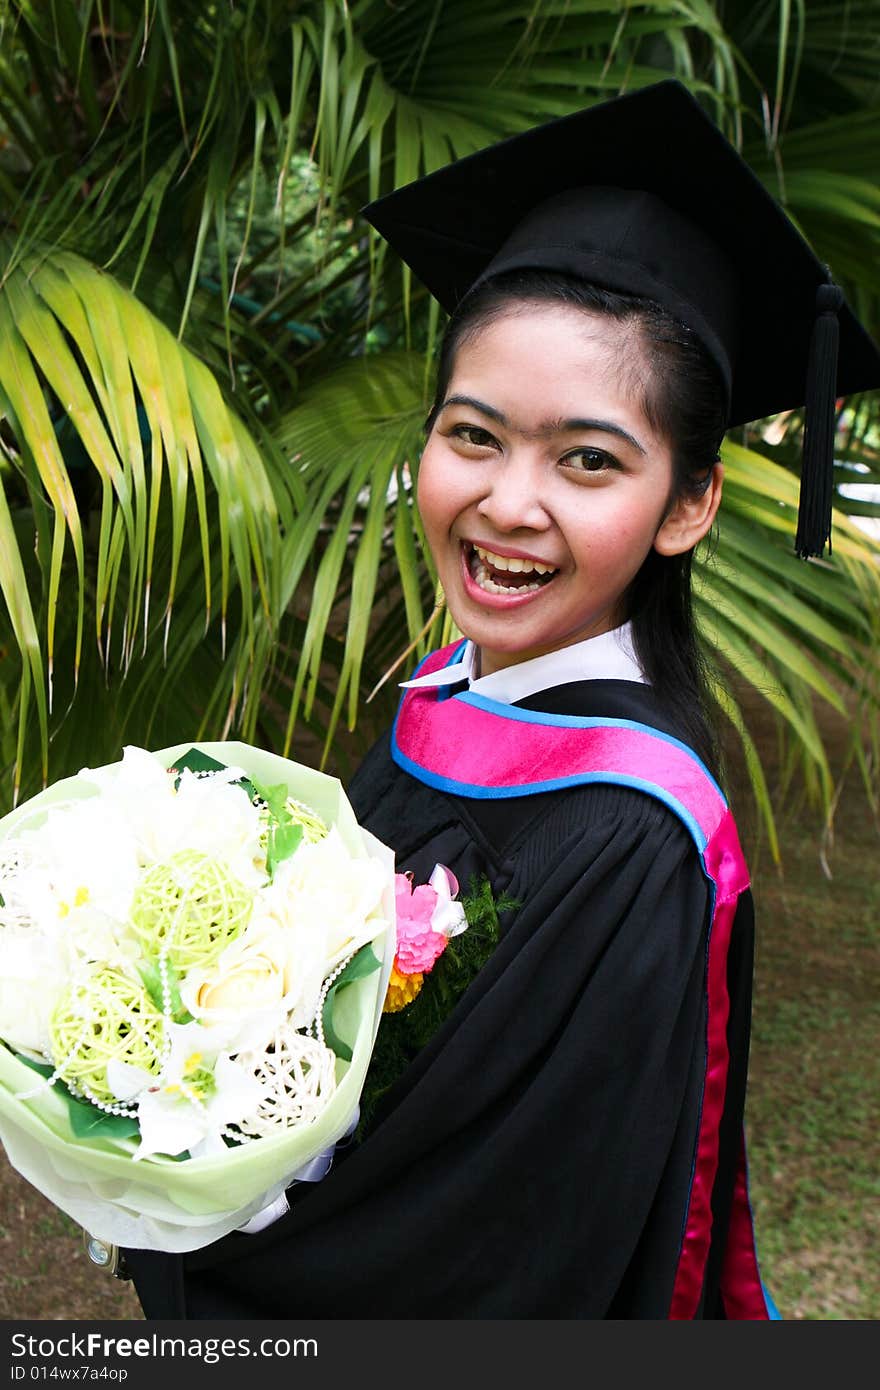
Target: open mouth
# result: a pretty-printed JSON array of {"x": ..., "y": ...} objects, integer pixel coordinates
[{"x": 504, "y": 574}]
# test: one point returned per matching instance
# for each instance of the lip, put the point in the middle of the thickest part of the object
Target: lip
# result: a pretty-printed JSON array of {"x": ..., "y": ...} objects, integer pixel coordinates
[
  {"x": 497, "y": 601},
  {"x": 508, "y": 551}
]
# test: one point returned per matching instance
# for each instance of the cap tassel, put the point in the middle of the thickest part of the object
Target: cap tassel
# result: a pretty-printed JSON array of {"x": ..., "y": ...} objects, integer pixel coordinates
[{"x": 817, "y": 471}]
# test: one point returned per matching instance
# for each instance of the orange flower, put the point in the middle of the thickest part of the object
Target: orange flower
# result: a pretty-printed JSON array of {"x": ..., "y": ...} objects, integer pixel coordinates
[{"x": 402, "y": 990}]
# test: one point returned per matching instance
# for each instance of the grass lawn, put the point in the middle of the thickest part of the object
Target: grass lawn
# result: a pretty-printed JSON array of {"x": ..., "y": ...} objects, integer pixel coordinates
[{"x": 811, "y": 1111}]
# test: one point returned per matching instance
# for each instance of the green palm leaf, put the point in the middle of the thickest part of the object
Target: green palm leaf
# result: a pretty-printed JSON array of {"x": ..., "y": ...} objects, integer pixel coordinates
[
  {"x": 74, "y": 345},
  {"x": 349, "y": 436}
]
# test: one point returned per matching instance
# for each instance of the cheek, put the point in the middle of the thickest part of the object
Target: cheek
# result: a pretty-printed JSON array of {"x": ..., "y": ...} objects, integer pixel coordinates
[
  {"x": 425, "y": 486},
  {"x": 616, "y": 540},
  {"x": 432, "y": 503},
  {"x": 436, "y": 493}
]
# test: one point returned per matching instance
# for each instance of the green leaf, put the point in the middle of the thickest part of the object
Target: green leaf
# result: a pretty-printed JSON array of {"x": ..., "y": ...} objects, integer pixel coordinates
[
  {"x": 196, "y": 761},
  {"x": 86, "y": 1121},
  {"x": 44, "y": 1068},
  {"x": 149, "y": 972},
  {"x": 360, "y": 965},
  {"x": 284, "y": 841},
  {"x": 285, "y": 832},
  {"x": 275, "y": 798}
]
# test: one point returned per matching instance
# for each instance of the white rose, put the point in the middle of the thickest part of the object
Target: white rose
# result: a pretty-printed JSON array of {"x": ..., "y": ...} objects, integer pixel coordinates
[
  {"x": 33, "y": 975},
  {"x": 217, "y": 818},
  {"x": 323, "y": 885},
  {"x": 263, "y": 978}
]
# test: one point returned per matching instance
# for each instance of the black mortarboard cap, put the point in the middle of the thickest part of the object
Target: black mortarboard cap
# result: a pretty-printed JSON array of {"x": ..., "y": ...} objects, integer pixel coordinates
[{"x": 643, "y": 194}]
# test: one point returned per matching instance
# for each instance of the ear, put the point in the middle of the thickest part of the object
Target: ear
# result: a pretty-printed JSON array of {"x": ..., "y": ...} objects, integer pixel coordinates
[{"x": 690, "y": 518}]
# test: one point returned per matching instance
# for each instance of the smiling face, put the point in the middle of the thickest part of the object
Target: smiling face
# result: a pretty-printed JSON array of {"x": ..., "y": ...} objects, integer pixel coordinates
[{"x": 543, "y": 486}]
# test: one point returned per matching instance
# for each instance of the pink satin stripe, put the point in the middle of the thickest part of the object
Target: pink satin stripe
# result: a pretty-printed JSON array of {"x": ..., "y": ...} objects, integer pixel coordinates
[
  {"x": 698, "y": 1225},
  {"x": 725, "y": 865},
  {"x": 741, "y": 1287},
  {"x": 461, "y": 742}
]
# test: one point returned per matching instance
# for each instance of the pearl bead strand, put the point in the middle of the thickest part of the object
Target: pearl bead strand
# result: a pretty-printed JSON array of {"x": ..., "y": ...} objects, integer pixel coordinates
[{"x": 318, "y": 1020}]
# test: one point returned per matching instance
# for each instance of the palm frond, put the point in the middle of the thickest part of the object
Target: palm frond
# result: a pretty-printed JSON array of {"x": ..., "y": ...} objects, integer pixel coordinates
[
  {"x": 350, "y": 436},
  {"x": 150, "y": 423}
]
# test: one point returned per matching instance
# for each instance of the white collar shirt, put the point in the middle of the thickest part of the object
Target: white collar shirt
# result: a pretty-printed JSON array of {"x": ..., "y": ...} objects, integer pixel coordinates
[{"x": 610, "y": 656}]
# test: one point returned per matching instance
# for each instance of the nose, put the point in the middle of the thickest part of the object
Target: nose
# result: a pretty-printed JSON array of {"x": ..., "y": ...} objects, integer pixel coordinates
[{"x": 513, "y": 495}]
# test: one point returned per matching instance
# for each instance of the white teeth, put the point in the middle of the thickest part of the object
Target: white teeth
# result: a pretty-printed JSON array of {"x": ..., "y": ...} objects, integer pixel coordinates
[
  {"x": 513, "y": 564},
  {"x": 482, "y": 578}
]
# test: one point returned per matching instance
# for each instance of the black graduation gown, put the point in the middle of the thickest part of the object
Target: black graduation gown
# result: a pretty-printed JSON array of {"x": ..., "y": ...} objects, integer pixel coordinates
[{"x": 535, "y": 1159}]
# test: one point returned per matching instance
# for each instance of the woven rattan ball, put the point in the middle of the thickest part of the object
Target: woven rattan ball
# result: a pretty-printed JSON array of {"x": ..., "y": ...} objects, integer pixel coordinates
[
  {"x": 297, "y": 1075},
  {"x": 99, "y": 1018},
  {"x": 189, "y": 908},
  {"x": 313, "y": 827}
]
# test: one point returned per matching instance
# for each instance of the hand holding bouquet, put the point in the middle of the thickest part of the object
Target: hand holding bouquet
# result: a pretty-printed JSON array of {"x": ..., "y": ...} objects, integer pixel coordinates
[{"x": 194, "y": 953}]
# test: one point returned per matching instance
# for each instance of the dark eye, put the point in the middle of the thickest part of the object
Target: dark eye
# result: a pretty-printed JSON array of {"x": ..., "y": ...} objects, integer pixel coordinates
[
  {"x": 473, "y": 434},
  {"x": 589, "y": 460}
]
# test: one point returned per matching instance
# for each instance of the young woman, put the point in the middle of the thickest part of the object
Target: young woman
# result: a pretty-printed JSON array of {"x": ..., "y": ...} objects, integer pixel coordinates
[{"x": 568, "y": 1142}]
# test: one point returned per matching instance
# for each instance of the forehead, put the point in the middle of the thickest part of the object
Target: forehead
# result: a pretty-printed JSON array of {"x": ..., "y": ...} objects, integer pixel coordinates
[{"x": 553, "y": 359}]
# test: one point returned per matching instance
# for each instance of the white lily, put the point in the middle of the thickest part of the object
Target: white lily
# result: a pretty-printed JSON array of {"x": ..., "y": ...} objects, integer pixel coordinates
[
  {"x": 75, "y": 880},
  {"x": 139, "y": 792},
  {"x": 200, "y": 1091},
  {"x": 207, "y": 814}
]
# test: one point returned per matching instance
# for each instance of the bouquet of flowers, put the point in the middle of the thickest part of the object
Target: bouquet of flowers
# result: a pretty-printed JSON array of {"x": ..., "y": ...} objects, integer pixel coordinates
[{"x": 195, "y": 949}]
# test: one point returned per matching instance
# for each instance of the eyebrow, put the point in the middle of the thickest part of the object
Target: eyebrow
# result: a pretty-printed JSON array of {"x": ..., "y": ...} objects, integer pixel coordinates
[{"x": 553, "y": 426}]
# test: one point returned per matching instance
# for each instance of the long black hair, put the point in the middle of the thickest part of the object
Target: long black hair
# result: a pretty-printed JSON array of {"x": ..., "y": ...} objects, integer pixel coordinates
[{"x": 684, "y": 400}]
